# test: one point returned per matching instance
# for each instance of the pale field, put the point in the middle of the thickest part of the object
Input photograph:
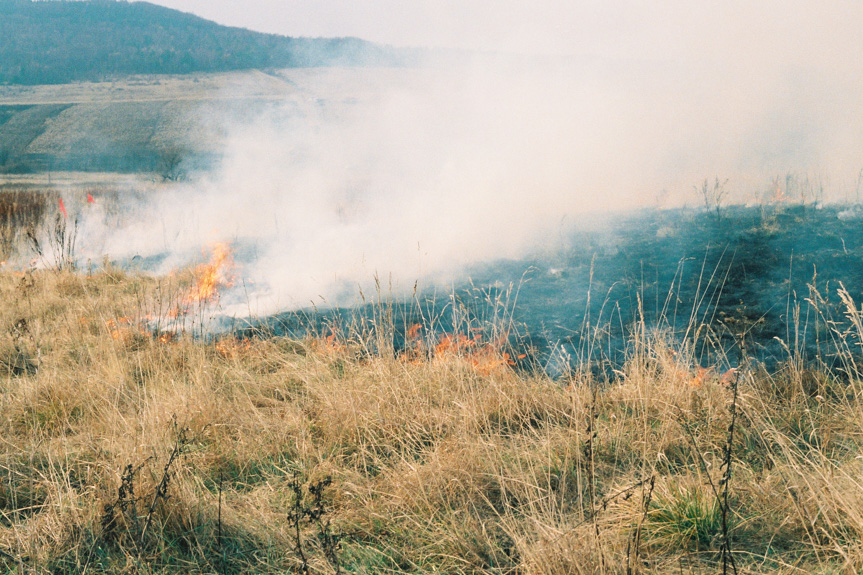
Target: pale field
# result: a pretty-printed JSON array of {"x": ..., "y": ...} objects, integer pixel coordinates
[
  {"x": 195, "y": 113},
  {"x": 299, "y": 83},
  {"x": 78, "y": 180}
]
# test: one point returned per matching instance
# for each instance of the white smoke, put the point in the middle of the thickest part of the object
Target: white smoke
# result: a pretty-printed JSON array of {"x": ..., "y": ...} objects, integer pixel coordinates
[{"x": 413, "y": 174}]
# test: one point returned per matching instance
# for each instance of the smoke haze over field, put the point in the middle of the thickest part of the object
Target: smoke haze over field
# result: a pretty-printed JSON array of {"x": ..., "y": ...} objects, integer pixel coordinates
[
  {"x": 759, "y": 34},
  {"x": 420, "y": 172}
]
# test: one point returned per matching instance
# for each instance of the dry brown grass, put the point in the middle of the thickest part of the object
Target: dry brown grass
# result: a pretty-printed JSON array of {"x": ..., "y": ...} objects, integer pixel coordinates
[
  {"x": 435, "y": 466},
  {"x": 21, "y": 208}
]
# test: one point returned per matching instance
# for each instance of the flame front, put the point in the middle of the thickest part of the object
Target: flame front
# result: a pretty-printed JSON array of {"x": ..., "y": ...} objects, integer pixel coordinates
[
  {"x": 485, "y": 357},
  {"x": 209, "y": 277}
]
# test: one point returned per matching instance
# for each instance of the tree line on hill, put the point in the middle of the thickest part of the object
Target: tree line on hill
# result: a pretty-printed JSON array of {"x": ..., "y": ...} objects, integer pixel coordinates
[{"x": 55, "y": 42}]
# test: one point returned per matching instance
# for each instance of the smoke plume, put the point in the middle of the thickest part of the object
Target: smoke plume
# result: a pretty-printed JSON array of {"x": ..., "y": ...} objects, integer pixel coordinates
[{"x": 414, "y": 174}]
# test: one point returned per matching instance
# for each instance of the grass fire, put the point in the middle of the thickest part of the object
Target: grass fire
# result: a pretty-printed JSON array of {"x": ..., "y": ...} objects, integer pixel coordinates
[
  {"x": 469, "y": 288},
  {"x": 210, "y": 276},
  {"x": 443, "y": 436}
]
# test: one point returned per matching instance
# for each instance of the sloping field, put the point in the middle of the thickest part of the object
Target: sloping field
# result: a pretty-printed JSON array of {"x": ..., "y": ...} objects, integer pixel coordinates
[
  {"x": 22, "y": 125},
  {"x": 131, "y": 125},
  {"x": 107, "y": 127},
  {"x": 156, "y": 87},
  {"x": 136, "y": 124},
  {"x": 9, "y": 111}
]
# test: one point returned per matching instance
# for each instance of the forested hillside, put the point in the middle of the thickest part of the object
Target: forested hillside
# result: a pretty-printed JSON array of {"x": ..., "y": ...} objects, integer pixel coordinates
[{"x": 54, "y": 42}]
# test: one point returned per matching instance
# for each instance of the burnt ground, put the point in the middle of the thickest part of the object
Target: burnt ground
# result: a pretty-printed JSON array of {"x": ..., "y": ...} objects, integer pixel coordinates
[{"x": 740, "y": 282}]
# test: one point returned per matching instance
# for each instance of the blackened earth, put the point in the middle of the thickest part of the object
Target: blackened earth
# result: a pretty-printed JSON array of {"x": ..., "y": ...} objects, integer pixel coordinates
[{"x": 756, "y": 282}]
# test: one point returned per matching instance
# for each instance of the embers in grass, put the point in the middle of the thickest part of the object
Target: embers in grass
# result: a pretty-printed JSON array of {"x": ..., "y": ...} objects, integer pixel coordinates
[{"x": 485, "y": 357}]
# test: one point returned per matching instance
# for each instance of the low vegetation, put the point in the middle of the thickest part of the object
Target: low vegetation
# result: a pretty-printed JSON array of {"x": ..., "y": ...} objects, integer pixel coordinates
[
  {"x": 131, "y": 444},
  {"x": 131, "y": 137},
  {"x": 21, "y": 209}
]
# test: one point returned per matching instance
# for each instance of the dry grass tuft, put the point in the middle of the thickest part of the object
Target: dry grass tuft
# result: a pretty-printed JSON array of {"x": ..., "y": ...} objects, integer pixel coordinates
[{"x": 21, "y": 209}]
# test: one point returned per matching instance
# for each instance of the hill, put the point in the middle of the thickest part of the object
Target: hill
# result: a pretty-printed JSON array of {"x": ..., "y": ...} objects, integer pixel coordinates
[
  {"x": 54, "y": 42},
  {"x": 139, "y": 123}
]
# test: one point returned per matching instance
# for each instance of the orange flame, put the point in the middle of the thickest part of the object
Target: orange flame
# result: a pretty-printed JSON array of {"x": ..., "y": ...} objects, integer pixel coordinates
[
  {"x": 456, "y": 344},
  {"x": 209, "y": 277},
  {"x": 415, "y": 348},
  {"x": 125, "y": 329},
  {"x": 332, "y": 343},
  {"x": 413, "y": 332},
  {"x": 779, "y": 196},
  {"x": 484, "y": 357},
  {"x": 232, "y": 348},
  {"x": 729, "y": 377},
  {"x": 703, "y": 375}
]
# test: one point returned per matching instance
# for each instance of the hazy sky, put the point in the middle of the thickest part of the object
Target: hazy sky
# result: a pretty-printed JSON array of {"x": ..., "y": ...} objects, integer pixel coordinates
[{"x": 762, "y": 31}]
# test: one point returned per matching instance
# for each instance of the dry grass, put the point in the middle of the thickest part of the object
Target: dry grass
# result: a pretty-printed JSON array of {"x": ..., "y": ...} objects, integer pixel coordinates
[
  {"x": 128, "y": 450},
  {"x": 21, "y": 208},
  {"x": 435, "y": 467}
]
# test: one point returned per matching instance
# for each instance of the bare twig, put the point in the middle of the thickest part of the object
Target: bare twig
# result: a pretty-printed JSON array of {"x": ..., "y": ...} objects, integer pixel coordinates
[
  {"x": 591, "y": 474},
  {"x": 219, "y": 527},
  {"x": 161, "y": 492},
  {"x": 727, "y": 557},
  {"x": 635, "y": 541}
]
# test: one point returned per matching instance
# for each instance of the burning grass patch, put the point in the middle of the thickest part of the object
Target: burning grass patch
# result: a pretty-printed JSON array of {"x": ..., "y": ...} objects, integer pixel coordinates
[{"x": 271, "y": 454}]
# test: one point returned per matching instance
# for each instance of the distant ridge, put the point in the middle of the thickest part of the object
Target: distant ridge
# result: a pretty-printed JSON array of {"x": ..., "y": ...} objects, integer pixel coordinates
[{"x": 56, "y": 42}]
